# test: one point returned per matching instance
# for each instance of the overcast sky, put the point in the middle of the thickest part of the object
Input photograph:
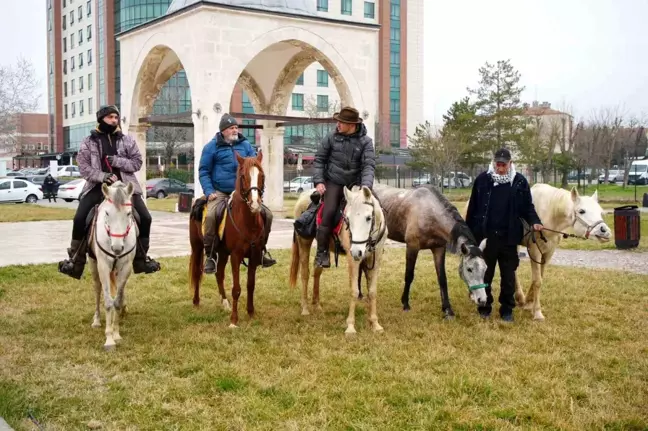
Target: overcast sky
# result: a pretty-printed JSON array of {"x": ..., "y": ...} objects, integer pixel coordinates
[{"x": 582, "y": 53}]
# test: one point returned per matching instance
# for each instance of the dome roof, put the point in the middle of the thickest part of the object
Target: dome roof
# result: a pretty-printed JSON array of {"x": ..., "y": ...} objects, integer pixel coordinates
[{"x": 298, "y": 7}]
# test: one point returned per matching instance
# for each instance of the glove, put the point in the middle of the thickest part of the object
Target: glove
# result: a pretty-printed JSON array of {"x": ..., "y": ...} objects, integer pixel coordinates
[
  {"x": 110, "y": 159},
  {"x": 108, "y": 178}
]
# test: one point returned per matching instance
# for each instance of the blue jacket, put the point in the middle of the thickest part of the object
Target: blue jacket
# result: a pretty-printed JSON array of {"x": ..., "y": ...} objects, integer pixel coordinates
[{"x": 218, "y": 165}]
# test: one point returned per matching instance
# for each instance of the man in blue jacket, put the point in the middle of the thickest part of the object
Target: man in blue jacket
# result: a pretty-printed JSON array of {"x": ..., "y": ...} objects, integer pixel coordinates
[{"x": 217, "y": 171}]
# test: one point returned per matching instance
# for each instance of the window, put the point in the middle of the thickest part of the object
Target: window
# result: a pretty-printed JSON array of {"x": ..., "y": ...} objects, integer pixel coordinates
[
  {"x": 66, "y": 110},
  {"x": 72, "y": 41},
  {"x": 80, "y": 60},
  {"x": 80, "y": 107},
  {"x": 89, "y": 32},
  {"x": 322, "y": 78},
  {"x": 394, "y": 34},
  {"x": 394, "y": 135},
  {"x": 73, "y": 109},
  {"x": 369, "y": 10},
  {"x": 90, "y": 104},
  {"x": 80, "y": 36},
  {"x": 89, "y": 56},
  {"x": 394, "y": 81},
  {"x": 72, "y": 63},
  {"x": 394, "y": 10},
  {"x": 88, "y": 7},
  {"x": 65, "y": 67},
  {"x": 347, "y": 7},
  {"x": 80, "y": 13},
  {"x": 17, "y": 184},
  {"x": 322, "y": 103},
  {"x": 64, "y": 3},
  {"x": 5, "y": 185},
  {"x": 71, "y": 17},
  {"x": 64, "y": 22},
  {"x": 394, "y": 58},
  {"x": 297, "y": 102},
  {"x": 322, "y": 5},
  {"x": 300, "y": 80},
  {"x": 80, "y": 84},
  {"x": 65, "y": 44},
  {"x": 89, "y": 81},
  {"x": 72, "y": 87},
  {"x": 65, "y": 89}
]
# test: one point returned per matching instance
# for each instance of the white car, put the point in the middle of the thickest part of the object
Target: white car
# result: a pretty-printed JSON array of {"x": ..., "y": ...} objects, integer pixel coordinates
[
  {"x": 19, "y": 191},
  {"x": 298, "y": 184},
  {"x": 70, "y": 191}
]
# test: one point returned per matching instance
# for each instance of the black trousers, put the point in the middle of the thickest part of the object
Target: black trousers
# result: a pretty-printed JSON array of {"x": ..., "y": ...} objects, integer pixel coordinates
[
  {"x": 332, "y": 198},
  {"x": 498, "y": 251},
  {"x": 95, "y": 197}
]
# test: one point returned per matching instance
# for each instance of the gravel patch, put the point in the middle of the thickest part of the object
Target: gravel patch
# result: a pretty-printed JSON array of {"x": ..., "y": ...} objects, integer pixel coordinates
[{"x": 619, "y": 260}]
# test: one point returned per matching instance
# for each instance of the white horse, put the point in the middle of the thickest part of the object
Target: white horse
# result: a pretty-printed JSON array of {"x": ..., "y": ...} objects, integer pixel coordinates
[
  {"x": 112, "y": 242},
  {"x": 362, "y": 236},
  {"x": 558, "y": 210}
]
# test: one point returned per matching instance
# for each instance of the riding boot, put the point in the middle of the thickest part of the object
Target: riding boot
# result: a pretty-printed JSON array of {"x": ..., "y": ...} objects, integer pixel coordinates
[
  {"x": 143, "y": 263},
  {"x": 211, "y": 244},
  {"x": 323, "y": 256},
  {"x": 75, "y": 265},
  {"x": 267, "y": 261}
]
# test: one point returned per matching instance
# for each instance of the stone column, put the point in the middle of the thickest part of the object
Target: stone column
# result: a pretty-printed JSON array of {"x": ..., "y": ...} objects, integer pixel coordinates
[
  {"x": 273, "y": 150},
  {"x": 138, "y": 131}
]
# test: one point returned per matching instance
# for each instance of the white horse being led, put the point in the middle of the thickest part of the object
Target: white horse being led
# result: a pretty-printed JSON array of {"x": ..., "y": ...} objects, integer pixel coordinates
[
  {"x": 112, "y": 241},
  {"x": 558, "y": 210}
]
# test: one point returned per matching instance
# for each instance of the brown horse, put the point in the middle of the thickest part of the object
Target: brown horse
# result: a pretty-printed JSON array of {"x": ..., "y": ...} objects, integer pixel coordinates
[{"x": 243, "y": 236}]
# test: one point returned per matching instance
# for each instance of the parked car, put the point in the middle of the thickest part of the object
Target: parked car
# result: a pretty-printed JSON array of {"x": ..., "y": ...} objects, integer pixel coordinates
[
  {"x": 163, "y": 187},
  {"x": 68, "y": 171},
  {"x": 71, "y": 190},
  {"x": 298, "y": 184},
  {"x": 614, "y": 175},
  {"x": 15, "y": 190}
]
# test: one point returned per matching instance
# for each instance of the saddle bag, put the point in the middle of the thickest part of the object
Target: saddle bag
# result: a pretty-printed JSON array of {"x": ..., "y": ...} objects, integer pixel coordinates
[{"x": 306, "y": 224}]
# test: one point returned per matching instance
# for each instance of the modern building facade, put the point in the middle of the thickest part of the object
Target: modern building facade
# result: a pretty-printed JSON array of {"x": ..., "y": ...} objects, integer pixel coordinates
[{"x": 27, "y": 141}]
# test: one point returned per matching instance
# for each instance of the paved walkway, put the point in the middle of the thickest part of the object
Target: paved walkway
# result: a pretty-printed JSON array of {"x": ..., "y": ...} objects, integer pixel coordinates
[
  {"x": 4, "y": 426},
  {"x": 46, "y": 242}
]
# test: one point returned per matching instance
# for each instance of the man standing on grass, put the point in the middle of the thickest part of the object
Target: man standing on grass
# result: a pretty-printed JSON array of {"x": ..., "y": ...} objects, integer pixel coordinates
[{"x": 500, "y": 198}]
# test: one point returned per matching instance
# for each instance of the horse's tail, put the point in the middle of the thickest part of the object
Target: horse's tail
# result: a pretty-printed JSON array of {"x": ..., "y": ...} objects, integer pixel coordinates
[
  {"x": 294, "y": 261},
  {"x": 196, "y": 260}
]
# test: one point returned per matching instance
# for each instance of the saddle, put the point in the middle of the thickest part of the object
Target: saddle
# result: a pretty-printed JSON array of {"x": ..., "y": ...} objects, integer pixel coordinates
[
  {"x": 337, "y": 220},
  {"x": 199, "y": 212}
]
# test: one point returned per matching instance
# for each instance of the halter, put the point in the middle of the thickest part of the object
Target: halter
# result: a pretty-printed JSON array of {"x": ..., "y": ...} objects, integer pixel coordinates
[
  {"x": 245, "y": 193},
  {"x": 370, "y": 241},
  {"x": 589, "y": 228},
  {"x": 113, "y": 235},
  {"x": 477, "y": 287}
]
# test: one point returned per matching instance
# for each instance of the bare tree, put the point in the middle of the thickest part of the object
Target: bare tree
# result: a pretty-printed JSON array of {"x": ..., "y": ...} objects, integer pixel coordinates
[
  {"x": 315, "y": 133},
  {"x": 170, "y": 141},
  {"x": 539, "y": 143},
  {"x": 434, "y": 152},
  {"x": 18, "y": 94},
  {"x": 606, "y": 127}
]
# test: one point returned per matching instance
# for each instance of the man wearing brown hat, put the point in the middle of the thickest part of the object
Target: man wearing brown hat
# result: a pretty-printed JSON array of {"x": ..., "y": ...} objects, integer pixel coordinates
[
  {"x": 344, "y": 158},
  {"x": 107, "y": 156},
  {"x": 217, "y": 176},
  {"x": 500, "y": 199}
]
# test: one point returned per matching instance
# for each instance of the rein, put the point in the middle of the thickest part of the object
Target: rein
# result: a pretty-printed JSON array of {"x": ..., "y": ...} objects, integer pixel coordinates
[
  {"x": 370, "y": 241},
  {"x": 252, "y": 242},
  {"x": 113, "y": 235}
]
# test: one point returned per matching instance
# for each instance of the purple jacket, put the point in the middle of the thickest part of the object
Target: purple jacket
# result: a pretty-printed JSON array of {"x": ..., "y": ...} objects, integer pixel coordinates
[{"x": 128, "y": 160}]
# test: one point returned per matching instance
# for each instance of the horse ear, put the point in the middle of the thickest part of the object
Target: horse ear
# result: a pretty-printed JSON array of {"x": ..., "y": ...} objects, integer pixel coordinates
[
  {"x": 346, "y": 193},
  {"x": 104, "y": 190},
  {"x": 367, "y": 192},
  {"x": 239, "y": 159},
  {"x": 129, "y": 189},
  {"x": 595, "y": 196},
  {"x": 574, "y": 194},
  {"x": 464, "y": 249},
  {"x": 482, "y": 245},
  {"x": 259, "y": 156}
]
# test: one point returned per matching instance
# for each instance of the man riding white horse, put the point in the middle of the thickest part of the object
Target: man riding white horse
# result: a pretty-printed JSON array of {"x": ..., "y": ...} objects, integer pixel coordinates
[
  {"x": 107, "y": 156},
  {"x": 217, "y": 173},
  {"x": 345, "y": 158}
]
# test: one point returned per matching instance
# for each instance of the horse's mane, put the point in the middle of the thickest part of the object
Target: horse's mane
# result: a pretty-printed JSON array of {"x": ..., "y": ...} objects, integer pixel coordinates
[
  {"x": 554, "y": 204},
  {"x": 460, "y": 229},
  {"x": 119, "y": 196}
]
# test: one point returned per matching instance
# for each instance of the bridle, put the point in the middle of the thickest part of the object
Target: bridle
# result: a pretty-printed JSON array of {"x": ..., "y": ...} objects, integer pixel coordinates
[
  {"x": 245, "y": 193},
  {"x": 588, "y": 227},
  {"x": 370, "y": 242},
  {"x": 116, "y": 235}
]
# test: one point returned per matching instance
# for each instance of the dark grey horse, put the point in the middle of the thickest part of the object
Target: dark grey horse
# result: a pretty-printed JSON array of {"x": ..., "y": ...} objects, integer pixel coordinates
[{"x": 424, "y": 219}]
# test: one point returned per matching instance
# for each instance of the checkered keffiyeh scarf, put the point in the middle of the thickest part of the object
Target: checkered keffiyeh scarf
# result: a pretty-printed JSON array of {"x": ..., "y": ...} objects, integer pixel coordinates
[{"x": 501, "y": 179}]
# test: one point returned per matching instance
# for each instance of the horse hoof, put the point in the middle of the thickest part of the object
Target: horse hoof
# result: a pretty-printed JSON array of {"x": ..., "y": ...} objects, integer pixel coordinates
[
  {"x": 226, "y": 305},
  {"x": 539, "y": 317},
  {"x": 233, "y": 326},
  {"x": 96, "y": 324},
  {"x": 449, "y": 316},
  {"x": 305, "y": 312},
  {"x": 109, "y": 347},
  {"x": 350, "y": 331},
  {"x": 378, "y": 329},
  {"x": 117, "y": 338},
  {"x": 406, "y": 307}
]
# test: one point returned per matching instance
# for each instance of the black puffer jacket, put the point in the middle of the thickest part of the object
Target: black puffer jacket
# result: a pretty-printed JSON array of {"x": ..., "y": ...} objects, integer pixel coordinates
[
  {"x": 521, "y": 206},
  {"x": 346, "y": 160}
]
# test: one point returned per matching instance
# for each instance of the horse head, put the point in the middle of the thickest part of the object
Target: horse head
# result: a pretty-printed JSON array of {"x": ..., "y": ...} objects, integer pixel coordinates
[
  {"x": 250, "y": 181},
  {"x": 116, "y": 213},
  {"x": 362, "y": 215},
  {"x": 472, "y": 268},
  {"x": 588, "y": 217}
]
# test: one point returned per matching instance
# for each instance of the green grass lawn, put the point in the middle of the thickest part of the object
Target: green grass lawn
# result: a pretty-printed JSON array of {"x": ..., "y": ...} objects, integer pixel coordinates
[
  {"x": 33, "y": 212},
  {"x": 179, "y": 367}
]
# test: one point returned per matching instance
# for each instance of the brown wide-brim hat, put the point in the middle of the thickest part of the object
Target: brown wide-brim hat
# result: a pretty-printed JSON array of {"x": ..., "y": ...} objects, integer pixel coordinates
[{"x": 348, "y": 115}]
